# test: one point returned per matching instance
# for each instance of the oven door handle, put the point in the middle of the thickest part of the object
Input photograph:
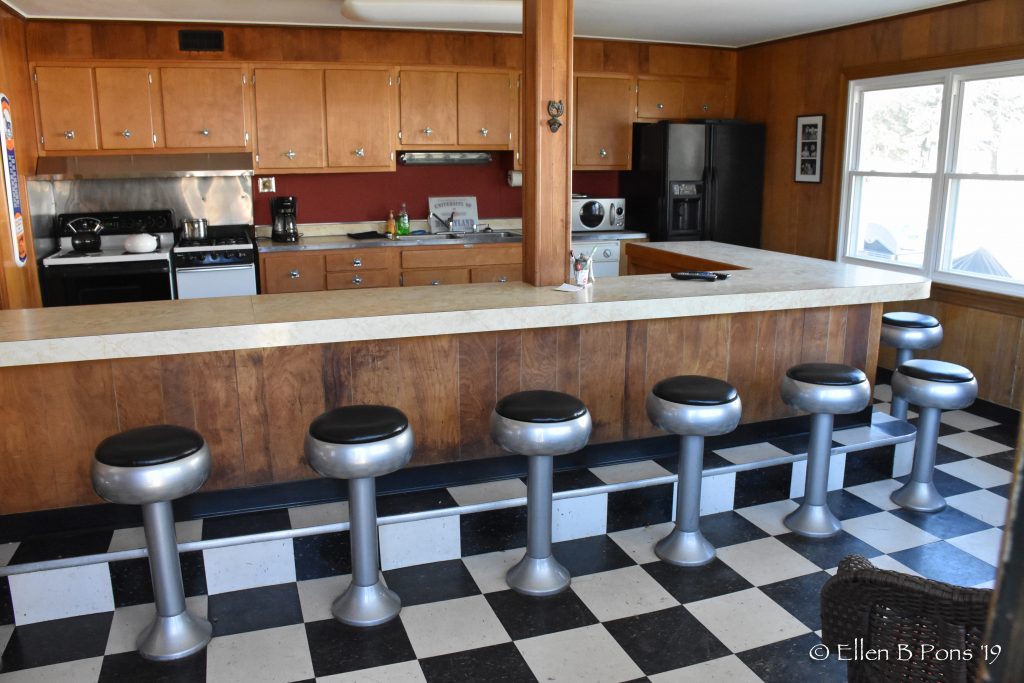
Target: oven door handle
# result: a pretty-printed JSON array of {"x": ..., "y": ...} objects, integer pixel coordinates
[{"x": 200, "y": 269}]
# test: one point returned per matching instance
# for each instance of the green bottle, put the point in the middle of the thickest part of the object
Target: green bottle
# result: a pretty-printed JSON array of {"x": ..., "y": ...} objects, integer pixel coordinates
[{"x": 403, "y": 221}]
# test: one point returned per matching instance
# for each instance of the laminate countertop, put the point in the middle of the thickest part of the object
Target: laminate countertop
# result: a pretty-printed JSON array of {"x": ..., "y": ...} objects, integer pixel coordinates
[
  {"x": 515, "y": 236},
  {"x": 769, "y": 281}
]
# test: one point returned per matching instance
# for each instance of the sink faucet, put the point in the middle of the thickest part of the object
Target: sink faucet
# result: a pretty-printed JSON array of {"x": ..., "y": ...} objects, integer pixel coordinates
[{"x": 446, "y": 223}]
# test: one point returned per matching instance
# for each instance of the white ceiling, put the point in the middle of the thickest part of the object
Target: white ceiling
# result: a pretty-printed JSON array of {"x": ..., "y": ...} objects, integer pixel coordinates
[{"x": 727, "y": 23}]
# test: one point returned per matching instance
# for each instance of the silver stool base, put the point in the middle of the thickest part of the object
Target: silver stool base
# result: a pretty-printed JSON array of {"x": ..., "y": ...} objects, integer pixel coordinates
[
  {"x": 920, "y": 496},
  {"x": 685, "y": 549},
  {"x": 531, "y": 576},
  {"x": 367, "y": 605},
  {"x": 814, "y": 521},
  {"x": 813, "y": 518},
  {"x": 174, "y": 637}
]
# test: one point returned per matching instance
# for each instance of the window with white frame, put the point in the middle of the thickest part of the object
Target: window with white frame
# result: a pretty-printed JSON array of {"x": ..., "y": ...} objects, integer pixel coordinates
[{"x": 934, "y": 175}]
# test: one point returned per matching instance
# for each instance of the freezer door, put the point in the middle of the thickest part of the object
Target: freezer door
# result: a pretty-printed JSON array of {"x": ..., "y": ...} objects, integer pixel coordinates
[
  {"x": 734, "y": 185},
  {"x": 686, "y": 151}
]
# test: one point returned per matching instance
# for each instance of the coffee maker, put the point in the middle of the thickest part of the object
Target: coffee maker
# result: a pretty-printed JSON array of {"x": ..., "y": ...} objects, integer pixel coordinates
[{"x": 283, "y": 211}]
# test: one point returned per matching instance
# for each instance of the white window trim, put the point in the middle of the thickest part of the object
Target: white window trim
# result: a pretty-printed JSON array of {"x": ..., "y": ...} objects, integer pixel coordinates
[{"x": 938, "y": 236}]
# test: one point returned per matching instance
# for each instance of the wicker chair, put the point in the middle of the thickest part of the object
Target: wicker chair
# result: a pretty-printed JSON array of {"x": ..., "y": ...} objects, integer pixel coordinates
[{"x": 875, "y": 610}]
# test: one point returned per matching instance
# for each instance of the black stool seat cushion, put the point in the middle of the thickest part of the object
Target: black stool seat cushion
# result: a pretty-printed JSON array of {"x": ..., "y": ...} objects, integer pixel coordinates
[
  {"x": 359, "y": 424},
  {"x": 826, "y": 374},
  {"x": 908, "y": 319},
  {"x": 695, "y": 390},
  {"x": 148, "y": 446},
  {"x": 935, "y": 371},
  {"x": 540, "y": 407}
]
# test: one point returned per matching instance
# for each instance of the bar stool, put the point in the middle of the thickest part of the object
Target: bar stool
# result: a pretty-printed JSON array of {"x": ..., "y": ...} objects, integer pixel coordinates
[
  {"x": 539, "y": 424},
  {"x": 933, "y": 386},
  {"x": 692, "y": 407},
  {"x": 360, "y": 443},
  {"x": 151, "y": 466},
  {"x": 908, "y": 332},
  {"x": 824, "y": 390}
]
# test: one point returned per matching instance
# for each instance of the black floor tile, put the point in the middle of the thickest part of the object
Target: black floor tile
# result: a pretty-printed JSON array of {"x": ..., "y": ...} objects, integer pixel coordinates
[
  {"x": 689, "y": 584},
  {"x": 526, "y": 617},
  {"x": 643, "y": 637},
  {"x": 497, "y": 663},
  {"x": 846, "y": 505},
  {"x": 800, "y": 596},
  {"x": 1004, "y": 460},
  {"x": 432, "y": 582},
  {"x": 944, "y": 562},
  {"x": 58, "y": 546},
  {"x": 416, "y": 501},
  {"x": 249, "y": 523},
  {"x": 729, "y": 528},
  {"x": 571, "y": 480},
  {"x": 639, "y": 507},
  {"x": 132, "y": 584},
  {"x": 60, "y": 640},
  {"x": 790, "y": 660},
  {"x": 254, "y": 609},
  {"x": 872, "y": 464},
  {"x": 591, "y": 555},
  {"x": 947, "y": 523},
  {"x": 337, "y": 648},
  {"x": 797, "y": 444},
  {"x": 947, "y": 484},
  {"x": 944, "y": 429},
  {"x": 826, "y": 552},
  {"x": 1005, "y": 434},
  {"x": 322, "y": 555},
  {"x": 1003, "y": 490},
  {"x": 1007, "y": 417},
  {"x": 764, "y": 485},
  {"x": 487, "y": 532},
  {"x": 6, "y": 606},
  {"x": 945, "y": 455},
  {"x": 129, "y": 667}
]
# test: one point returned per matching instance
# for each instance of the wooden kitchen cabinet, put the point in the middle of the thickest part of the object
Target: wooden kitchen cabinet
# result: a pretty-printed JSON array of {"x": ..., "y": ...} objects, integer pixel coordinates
[
  {"x": 359, "y": 279},
  {"x": 462, "y": 256},
  {"x": 293, "y": 272},
  {"x": 440, "y": 276},
  {"x": 66, "y": 105},
  {"x": 204, "y": 107},
  {"x": 289, "y": 118},
  {"x": 360, "y": 106},
  {"x": 603, "y": 122},
  {"x": 125, "y": 105},
  {"x": 506, "y": 273},
  {"x": 485, "y": 109},
  {"x": 707, "y": 99},
  {"x": 359, "y": 259},
  {"x": 659, "y": 99},
  {"x": 429, "y": 107}
]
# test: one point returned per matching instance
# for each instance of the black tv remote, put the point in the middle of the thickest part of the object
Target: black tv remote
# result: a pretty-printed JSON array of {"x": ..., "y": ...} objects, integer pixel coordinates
[{"x": 705, "y": 275}]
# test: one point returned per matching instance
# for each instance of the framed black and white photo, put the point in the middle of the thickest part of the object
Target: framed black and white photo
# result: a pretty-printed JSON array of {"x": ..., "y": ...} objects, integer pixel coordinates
[{"x": 810, "y": 132}]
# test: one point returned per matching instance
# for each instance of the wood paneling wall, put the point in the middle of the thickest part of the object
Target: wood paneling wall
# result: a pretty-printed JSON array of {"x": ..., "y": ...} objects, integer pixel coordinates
[
  {"x": 254, "y": 406},
  {"x": 19, "y": 287}
]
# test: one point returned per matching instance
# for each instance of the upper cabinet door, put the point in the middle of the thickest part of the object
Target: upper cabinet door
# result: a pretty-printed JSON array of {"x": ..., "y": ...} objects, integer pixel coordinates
[
  {"x": 204, "y": 107},
  {"x": 604, "y": 120},
  {"x": 359, "y": 115},
  {"x": 659, "y": 99},
  {"x": 485, "y": 109},
  {"x": 707, "y": 100},
  {"x": 429, "y": 107},
  {"x": 290, "y": 118},
  {"x": 67, "y": 108},
  {"x": 125, "y": 107}
]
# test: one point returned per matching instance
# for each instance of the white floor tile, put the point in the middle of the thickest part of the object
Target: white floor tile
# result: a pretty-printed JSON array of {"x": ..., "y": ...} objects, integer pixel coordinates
[
  {"x": 746, "y": 619},
  {"x": 250, "y": 565},
  {"x": 78, "y": 671},
  {"x": 886, "y": 562},
  {"x": 621, "y": 593},
  {"x": 629, "y": 471},
  {"x": 856, "y": 435},
  {"x": 887, "y": 532},
  {"x": 405, "y": 672},
  {"x": 639, "y": 543},
  {"x": 877, "y": 492},
  {"x": 971, "y": 444},
  {"x": 984, "y": 545},
  {"x": 6, "y": 631},
  {"x": 318, "y": 515},
  {"x": 316, "y": 596},
  {"x": 883, "y": 392},
  {"x": 267, "y": 656},
  {"x": 579, "y": 517},
  {"x": 903, "y": 459},
  {"x": 985, "y": 505},
  {"x": 60, "y": 593},
  {"x": 741, "y": 455},
  {"x": 135, "y": 537},
  {"x": 977, "y": 472},
  {"x": 488, "y": 492},
  {"x": 439, "y": 628},
  {"x": 882, "y": 408},
  {"x": 427, "y": 540},
  {"x": 581, "y": 654},
  {"x": 7, "y": 551},
  {"x": 489, "y": 569},
  {"x": 717, "y": 494},
  {"x": 768, "y": 516},
  {"x": 723, "y": 670},
  {"x": 765, "y": 561},
  {"x": 836, "y": 473},
  {"x": 128, "y": 623},
  {"x": 990, "y": 584},
  {"x": 961, "y": 419}
]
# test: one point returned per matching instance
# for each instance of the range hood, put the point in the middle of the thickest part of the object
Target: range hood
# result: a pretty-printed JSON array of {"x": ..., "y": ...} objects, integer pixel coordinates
[
  {"x": 444, "y": 158},
  {"x": 143, "y": 166}
]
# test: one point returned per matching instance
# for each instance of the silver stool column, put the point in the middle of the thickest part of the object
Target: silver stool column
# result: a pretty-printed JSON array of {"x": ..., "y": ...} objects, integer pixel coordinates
[
  {"x": 908, "y": 332},
  {"x": 539, "y": 424},
  {"x": 151, "y": 466},
  {"x": 692, "y": 407},
  {"x": 360, "y": 443},
  {"x": 824, "y": 390},
  {"x": 932, "y": 386}
]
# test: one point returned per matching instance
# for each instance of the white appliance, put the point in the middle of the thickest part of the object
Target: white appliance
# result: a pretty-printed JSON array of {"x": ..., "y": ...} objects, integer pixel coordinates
[
  {"x": 590, "y": 213},
  {"x": 223, "y": 264},
  {"x": 606, "y": 256}
]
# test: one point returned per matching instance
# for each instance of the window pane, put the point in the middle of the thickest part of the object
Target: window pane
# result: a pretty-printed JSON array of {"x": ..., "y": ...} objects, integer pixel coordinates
[
  {"x": 900, "y": 129},
  {"x": 890, "y": 218},
  {"x": 992, "y": 126},
  {"x": 987, "y": 222}
]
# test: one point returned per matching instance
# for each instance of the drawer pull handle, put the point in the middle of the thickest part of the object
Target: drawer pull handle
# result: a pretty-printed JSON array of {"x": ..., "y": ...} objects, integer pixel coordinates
[
  {"x": 436, "y": 282},
  {"x": 126, "y": 133},
  {"x": 603, "y": 152},
  {"x": 69, "y": 134},
  {"x": 484, "y": 132},
  {"x": 360, "y": 152},
  {"x": 502, "y": 279},
  {"x": 357, "y": 280},
  {"x": 290, "y": 154},
  {"x": 205, "y": 132},
  {"x": 357, "y": 262},
  {"x": 428, "y": 131},
  {"x": 294, "y": 274},
  {"x": 660, "y": 105}
]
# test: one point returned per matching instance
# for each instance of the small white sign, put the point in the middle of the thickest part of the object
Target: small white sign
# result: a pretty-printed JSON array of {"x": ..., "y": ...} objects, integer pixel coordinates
[{"x": 459, "y": 211}]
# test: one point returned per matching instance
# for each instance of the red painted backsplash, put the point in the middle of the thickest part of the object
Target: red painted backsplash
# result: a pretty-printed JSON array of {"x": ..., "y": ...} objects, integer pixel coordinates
[{"x": 345, "y": 197}]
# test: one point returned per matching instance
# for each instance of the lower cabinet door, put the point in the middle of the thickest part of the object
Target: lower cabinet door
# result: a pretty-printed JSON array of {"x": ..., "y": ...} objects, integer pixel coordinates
[
  {"x": 510, "y": 273},
  {"x": 294, "y": 273},
  {"x": 358, "y": 279},
  {"x": 446, "y": 276}
]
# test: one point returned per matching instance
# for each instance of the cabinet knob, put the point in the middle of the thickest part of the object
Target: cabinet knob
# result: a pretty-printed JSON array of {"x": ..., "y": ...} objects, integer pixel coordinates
[
  {"x": 603, "y": 152},
  {"x": 502, "y": 279},
  {"x": 360, "y": 152},
  {"x": 69, "y": 134},
  {"x": 660, "y": 105},
  {"x": 126, "y": 133},
  {"x": 294, "y": 274},
  {"x": 484, "y": 132},
  {"x": 428, "y": 131},
  {"x": 357, "y": 262},
  {"x": 436, "y": 282},
  {"x": 357, "y": 280},
  {"x": 706, "y": 107},
  {"x": 607, "y": 253},
  {"x": 290, "y": 154},
  {"x": 205, "y": 132}
]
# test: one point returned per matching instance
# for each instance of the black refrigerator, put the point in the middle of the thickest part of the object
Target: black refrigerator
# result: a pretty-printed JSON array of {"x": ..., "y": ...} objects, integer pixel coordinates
[{"x": 696, "y": 181}]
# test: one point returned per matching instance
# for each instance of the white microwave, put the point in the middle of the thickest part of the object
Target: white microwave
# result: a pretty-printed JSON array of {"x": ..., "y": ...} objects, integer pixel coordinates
[{"x": 589, "y": 213}]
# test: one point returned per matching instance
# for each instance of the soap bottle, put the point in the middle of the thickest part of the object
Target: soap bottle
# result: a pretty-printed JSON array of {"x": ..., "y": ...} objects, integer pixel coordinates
[
  {"x": 403, "y": 220},
  {"x": 390, "y": 230}
]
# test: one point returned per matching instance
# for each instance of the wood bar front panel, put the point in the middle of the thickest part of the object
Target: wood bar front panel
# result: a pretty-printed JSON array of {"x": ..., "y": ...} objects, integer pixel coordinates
[{"x": 253, "y": 406}]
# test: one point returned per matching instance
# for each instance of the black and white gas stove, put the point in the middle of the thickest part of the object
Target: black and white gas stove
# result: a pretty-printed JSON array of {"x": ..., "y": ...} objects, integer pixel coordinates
[{"x": 222, "y": 264}]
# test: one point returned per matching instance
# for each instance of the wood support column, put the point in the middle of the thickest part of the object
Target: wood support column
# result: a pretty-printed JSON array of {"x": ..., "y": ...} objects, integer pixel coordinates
[{"x": 547, "y": 156}]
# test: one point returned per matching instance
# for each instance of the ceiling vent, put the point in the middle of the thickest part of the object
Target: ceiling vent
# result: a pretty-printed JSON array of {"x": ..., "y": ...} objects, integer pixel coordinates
[{"x": 190, "y": 40}]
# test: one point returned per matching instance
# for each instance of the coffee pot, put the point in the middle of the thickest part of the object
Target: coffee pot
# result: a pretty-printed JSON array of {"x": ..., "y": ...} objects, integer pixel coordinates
[{"x": 283, "y": 211}]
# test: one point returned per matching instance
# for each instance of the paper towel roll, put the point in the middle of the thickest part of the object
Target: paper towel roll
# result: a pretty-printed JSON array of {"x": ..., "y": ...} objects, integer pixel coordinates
[{"x": 515, "y": 178}]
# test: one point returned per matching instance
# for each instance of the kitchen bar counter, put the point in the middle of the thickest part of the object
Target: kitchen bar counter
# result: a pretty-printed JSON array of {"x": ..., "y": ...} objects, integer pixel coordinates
[{"x": 324, "y": 242}]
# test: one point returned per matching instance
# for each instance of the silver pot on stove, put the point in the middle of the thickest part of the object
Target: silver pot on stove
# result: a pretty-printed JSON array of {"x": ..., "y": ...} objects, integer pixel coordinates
[{"x": 193, "y": 228}]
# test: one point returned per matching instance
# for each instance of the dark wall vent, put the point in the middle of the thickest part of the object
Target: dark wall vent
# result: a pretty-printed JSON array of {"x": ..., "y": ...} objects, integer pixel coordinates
[{"x": 200, "y": 41}]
